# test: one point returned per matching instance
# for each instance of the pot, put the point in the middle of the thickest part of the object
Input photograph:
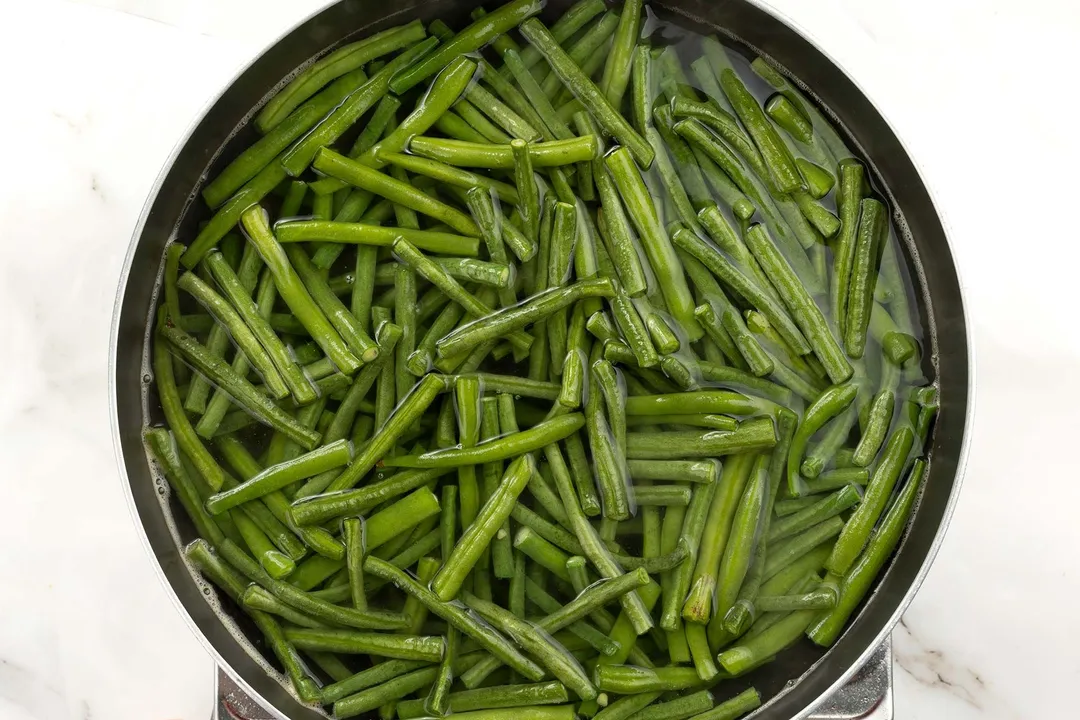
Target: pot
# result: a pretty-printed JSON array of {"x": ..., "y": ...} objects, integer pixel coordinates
[{"x": 804, "y": 675}]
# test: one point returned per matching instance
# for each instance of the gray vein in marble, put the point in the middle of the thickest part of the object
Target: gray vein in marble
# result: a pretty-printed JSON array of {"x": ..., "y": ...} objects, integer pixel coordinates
[
  {"x": 26, "y": 689},
  {"x": 930, "y": 667}
]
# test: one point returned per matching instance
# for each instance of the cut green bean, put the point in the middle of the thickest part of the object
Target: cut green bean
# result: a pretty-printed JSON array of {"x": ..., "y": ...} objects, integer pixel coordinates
[{"x": 586, "y": 91}]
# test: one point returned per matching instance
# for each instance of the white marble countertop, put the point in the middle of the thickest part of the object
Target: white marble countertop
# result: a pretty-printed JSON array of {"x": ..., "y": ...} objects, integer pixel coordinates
[{"x": 96, "y": 93}]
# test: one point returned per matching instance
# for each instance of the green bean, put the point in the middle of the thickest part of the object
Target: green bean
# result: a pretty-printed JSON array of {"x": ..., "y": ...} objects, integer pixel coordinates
[
  {"x": 342, "y": 116},
  {"x": 824, "y": 450},
  {"x": 401, "y": 516},
  {"x": 662, "y": 495},
  {"x": 471, "y": 38},
  {"x": 715, "y": 422},
  {"x": 352, "y": 530},
  {"x": 438, "y": 276},
  {"x": 641, "y": 80},
  {"x": 743, "y": 540},
  {"x": 449, "y": 174},
  {"x": 752, "y": 651},
  {"x": 549, "y": 692},
  {"x": 306, "y": 602},
  {"x": 583, "y": 630},
  {"x": 242, "y": 461},
  {"x": 724, "y": 124},
  {"x": 375, "y": 675},
  {"x": 366, "y": 178},
  {"x": 630, "y": 680},
  {"x": 402, "y": 647},
  {"x": 877, "y": 425},
  {"x": 501, "y": 113},
  {"x": 677, "y": 709},
  {"x": 315, "y": 511},
  {"x": 391, "y": 690},
  {"x": 480, "y": 532},
  {"x": 657, "y": 245},
  {"x": 607, "y": 454},
  {"x": 457, "y": 616},
  {"x": 756, "y": 434},
  {"x": 456, "y": 128},
  {"x": 816, "y": 214},
  {"x": 714, "y": 538},
  {"x": 815, "y": 513},
  {"x": 743, "y": 285},
  {"x": 873, "y": 220},
  {"x": 164, "y": 451},
  {"x": 663, "y": 337},
  {"x": 837, "y": 478},
  {"x": 861, "y": 523},
  {"x": 586, "y": 91},
  {"x": 573, "y": 379},
  {"x": 501, "y": 449},
  {"x": 255, "y": 315},
  {"x": 722, "y": 402},
  {"x": 694, "y": 471},
  {"x": 627, "y": 706},
  {"x": 528, "y": 541},
  {"x": 820, "y": 599},
  {"x": 551, "y": 712},
  {"x": 592, "y": 546},
  {"x": 482, "y": 208},
  {"x": 581, "y": 472},
  {"x": 528, "y": 191},
  {"x": 856, "y": 581},
  {"x": 622, "y": 247},
  {"x": 587, "y": 51},
  {"x": 242, "y": 391},
  {"x": 356, "y": 339},
  {"x": 508, "y": 321},
  {"x": 405, "y": 415},
  {"x": 462, "y": 153},
  {"x": 784, "y": 553},
  {"x": 618, "y": 66},
  {"x": 730, "y": 324},
  {"x": 552, "y": 127},
  {"x": 832, "y": 141},
  {"x": 658, "y": 563},
  {"x": 547, "y": 651},
  {"x": 237, "y": 328},
  {"x": 827, "y": 406},
  {"x": 292, "y": 289},
  {"x": 448, "y": 519},
  {"x": 337, "y": 63},
  {"x": 420, "y": 360},
  {"x": 737, "y": 706},
  {"x": 255, "y": 598},
  {"x": 282, "y": 475},
  {"x": 802, "y": 306}
]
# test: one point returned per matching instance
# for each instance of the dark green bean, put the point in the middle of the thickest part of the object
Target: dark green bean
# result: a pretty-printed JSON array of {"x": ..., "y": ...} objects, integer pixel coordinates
[
  {"x": 550, "y": 692},
  {"x": 856, "y": 581},
  {"x": 512, "y": 320},
  {"x": 586, "y": 91},
  {"x": 658, "y": 247},
  {"x": 405, "y": 415},
  {"x": 471, "y": 38},
  {"x": 488, "y": 638},
  {"x": 631, "y": 680},
  {"x": 342, "y": 116},
  {"x": 873, "y": 221},
  {"x": 546, "y": 650}
]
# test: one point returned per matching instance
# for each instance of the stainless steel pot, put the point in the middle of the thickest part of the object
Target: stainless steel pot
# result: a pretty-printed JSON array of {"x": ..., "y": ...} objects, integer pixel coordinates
[{"x": 173, "y": 210}]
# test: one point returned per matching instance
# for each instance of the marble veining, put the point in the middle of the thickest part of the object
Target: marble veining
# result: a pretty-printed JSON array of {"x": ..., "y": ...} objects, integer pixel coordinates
[{"x": 98, "y": 91}]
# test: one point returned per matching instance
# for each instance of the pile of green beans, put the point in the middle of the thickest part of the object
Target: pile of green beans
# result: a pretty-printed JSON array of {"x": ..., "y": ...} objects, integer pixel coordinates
[{"x": 556, "y": 370}]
